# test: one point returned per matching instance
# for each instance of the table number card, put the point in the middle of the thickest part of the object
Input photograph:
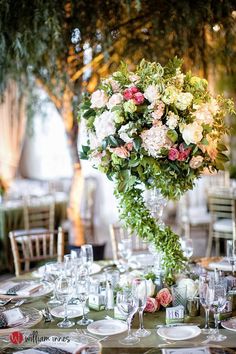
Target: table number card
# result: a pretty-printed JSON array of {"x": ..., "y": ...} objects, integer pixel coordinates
[{"x": 175, "y": 314}]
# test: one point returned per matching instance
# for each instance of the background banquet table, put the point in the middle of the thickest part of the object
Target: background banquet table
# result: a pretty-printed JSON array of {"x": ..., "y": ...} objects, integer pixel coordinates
[
  {"x": 11, "y": 218},
  {"x": 148, "y": 345}
]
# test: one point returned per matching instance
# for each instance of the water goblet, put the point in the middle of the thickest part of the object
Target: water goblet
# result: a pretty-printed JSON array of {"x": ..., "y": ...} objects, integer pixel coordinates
[
  {"x": 206, "y": 296},
  {"x": 64, "y": 291},
  {"x": 139, "y": 290},
  {"x": 87, "y": 255},
  {"x": 217, "y": 307},
  {"x": 82, "y": 294},
  {"x": 127, "y": 304}
]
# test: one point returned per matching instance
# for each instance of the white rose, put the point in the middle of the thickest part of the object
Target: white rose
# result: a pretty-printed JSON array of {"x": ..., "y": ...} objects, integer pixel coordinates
[
  {"x": 191, "y": 285},
  {"x": 115, "y": 99},
  {"x": 151, "y": 93},
  {"x": 150, "y": 287},
  {"x": 183, "y": 100},
  {"x": 192, "y": 133},
  {"x": 99, "y": 99},
  {"x": 196, "y": 161},
  {"x": 105, "y": 125}
]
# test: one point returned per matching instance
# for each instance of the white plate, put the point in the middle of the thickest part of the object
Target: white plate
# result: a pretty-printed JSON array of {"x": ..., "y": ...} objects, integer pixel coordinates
[
  {"x": 141, "y": 260},
  {"x": 179, "y": 333},
  {"x": 45, "y": 290},
  {"x": 72, "y": 311},
  {"x": 223, "y": 265},
  {"x": 39, "y": 273},
  {"x": 107, "y": 327},
  {"x": 31, "y": 318},
  {"x": 230, "y": 324}
]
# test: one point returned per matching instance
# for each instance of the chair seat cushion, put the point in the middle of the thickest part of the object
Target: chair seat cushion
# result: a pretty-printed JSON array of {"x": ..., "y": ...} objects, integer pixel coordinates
[
  {"x": 223, "y": 225},
  {"x": 198, "y": 216}
]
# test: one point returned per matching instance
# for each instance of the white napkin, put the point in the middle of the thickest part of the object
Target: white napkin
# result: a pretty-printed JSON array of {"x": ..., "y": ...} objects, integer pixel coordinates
[
  {"x": 71, "y": 346},
  {"x": 26, "y": 290},
  {"x": 13, "y": 316},
  {"x": 30, "y": 351},
  {"x": 29, "y": 289}
]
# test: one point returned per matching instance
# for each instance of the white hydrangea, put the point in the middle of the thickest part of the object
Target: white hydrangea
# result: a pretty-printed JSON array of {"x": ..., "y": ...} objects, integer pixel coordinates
[
  {"x": 126, "y": 132},
  {"x": 105, "y": 125},
  {"x": 172, "y": 120},
  {"x": 151, "y": 93},
  {"x": 114, "y": 100},
  {"x": 99, "y": 99},
  {"x": 183, "y": 100},
  {"x": 154, "y": 139}
]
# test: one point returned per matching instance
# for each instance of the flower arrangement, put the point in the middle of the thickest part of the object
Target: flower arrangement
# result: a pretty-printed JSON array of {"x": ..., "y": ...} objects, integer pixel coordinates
[{"x": 159, "y": 128}]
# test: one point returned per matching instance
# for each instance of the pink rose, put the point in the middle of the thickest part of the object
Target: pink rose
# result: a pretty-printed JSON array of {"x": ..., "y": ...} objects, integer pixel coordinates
[
  {"x": 129, "y": 146},
  {"x": 121, "y": 152},
  {"x": 173, "y": 154},
  {"x": 134, "y": 89},
  {"x": 164, "y": 297},
  {"x": 151, "y": 305},
  {"x": 127, "y": 94},
  {"x": 138, "y": 98}
]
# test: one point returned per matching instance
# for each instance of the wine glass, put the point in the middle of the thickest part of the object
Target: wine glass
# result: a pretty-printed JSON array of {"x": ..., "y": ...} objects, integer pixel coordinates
[
  {"x": 127, "y": 304},
  {"x": 217, "y": 307},
  {"x": 82, "y": 293},
  {"x": 52, "y": 271},
  {"x": 64, "y": 291},
  {"x": 139, "y": 290},
  {"x": 231, "y": 253},
  {"x": 187, "y": 246},
  {"x": 87, "y": 255},
  {"x": 125, "y": 250},
  {"x": 206, "y": 296}
]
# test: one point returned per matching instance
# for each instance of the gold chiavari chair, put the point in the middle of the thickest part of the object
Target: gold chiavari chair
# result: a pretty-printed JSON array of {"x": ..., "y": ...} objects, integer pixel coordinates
[{"x": 30, "y": 247}]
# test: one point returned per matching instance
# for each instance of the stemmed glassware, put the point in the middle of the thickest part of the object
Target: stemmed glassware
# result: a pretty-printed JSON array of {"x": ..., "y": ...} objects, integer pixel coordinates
[
  {"x": 217, "y": 307},
  {"x": 231, "y": 253},
  {"x": 206, "y": 296},
  {"x": 187, "y": 246},
  {"x": 64, "y": 291},
  {"x": 125, "y": 250},
  {"x": 82, "y": 294},
  {"x": 139, "y": 289},
  {"x": 127, "y": 303},
  {"x": 87, "y": 255}
]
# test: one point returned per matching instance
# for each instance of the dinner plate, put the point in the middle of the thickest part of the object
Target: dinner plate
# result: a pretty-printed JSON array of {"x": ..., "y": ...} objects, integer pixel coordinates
[
  {"x": 45, "y": 290},
  {"x": 31, "y": 318},
  {"x": 222, "y": 265},
  {"x": 72, "y": 311},
  {"x": 179, "y": 333},
  {"x": 230, "y": 324},
  {"x": 141, "y": 260},
  {"x": 39, "y": 273},
  {"x": 107, "y": 327}
]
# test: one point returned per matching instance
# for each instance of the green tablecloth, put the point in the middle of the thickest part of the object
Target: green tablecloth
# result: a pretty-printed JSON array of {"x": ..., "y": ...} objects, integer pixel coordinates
[
  {"x": 149, "y": 345},
  {"x": 12, "y": 219}
]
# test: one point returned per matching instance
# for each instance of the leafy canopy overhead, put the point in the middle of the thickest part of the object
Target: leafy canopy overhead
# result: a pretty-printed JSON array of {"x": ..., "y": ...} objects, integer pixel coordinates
[{"x": 35, "y": 37}]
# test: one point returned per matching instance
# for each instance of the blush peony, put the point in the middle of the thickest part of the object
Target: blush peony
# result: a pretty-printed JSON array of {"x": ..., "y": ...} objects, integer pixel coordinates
[{"x": 164, "y": 297}]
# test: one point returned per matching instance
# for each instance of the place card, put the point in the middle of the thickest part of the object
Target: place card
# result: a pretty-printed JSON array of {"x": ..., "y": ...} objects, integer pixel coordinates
[
  {"x": 175, "y": 314},
  {"x": 96, "y": 302},
  {"x": 13, "y": 316}
]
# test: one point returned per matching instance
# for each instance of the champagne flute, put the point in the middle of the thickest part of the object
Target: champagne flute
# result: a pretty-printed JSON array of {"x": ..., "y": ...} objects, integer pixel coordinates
[
  {"x": 217, "y": 307},
  {"x": 125, "y": 250},
  {"x": 64, "y": 291},
  {"x": 139, "y": 290},
  {"x": 231, "y": 253},
  {"x": 127, "y": 304},
  {"x": 82, "y": 292},
  {"x": 87, "y": 255},
  {"x": 206, "y": 296}
]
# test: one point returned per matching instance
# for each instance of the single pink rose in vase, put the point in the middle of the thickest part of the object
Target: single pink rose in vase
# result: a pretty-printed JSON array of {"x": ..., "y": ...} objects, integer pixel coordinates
[{"x": 164, "y": 297}]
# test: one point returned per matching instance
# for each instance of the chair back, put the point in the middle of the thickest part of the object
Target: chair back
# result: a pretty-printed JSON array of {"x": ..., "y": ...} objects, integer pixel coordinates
[
  {"x": 88, "y": 209},
  {"x": 34, "y": 246},
  {"x": 119, "y": 233},
  {"x": 221, "y": 206},
  {"x": 39, "y": 212}
]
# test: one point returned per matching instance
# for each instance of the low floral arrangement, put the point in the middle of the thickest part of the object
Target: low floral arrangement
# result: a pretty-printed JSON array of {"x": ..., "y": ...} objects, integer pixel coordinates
[
  {"x": 163, "y": 299},
  {"x": 155, "y": 127}
]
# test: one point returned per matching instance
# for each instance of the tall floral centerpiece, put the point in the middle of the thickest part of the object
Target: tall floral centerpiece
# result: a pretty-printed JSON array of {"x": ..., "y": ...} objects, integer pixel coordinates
[{"x": 159, "y": 128}]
